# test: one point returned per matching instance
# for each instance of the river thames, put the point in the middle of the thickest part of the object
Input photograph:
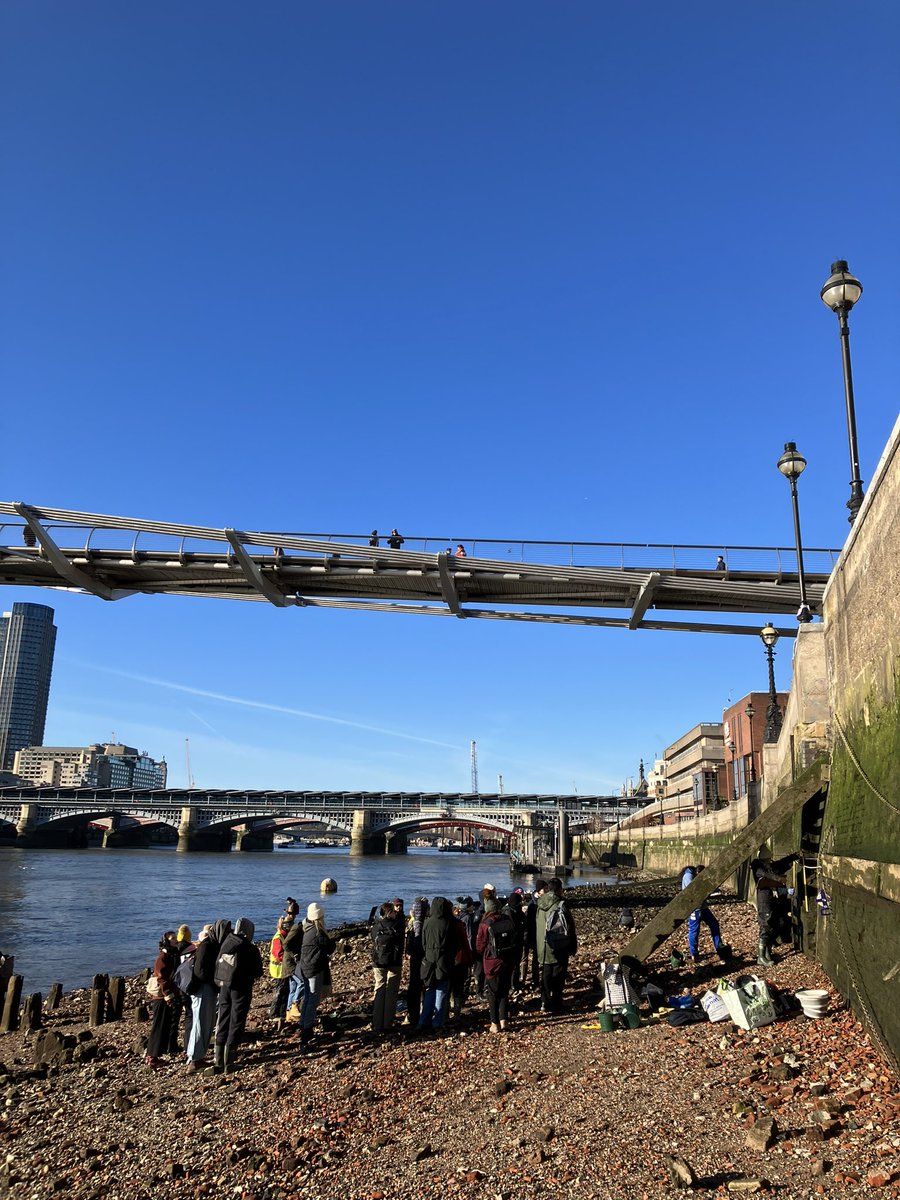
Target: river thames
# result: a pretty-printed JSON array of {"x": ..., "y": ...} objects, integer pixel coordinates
[{"x": 69, "y": 914}]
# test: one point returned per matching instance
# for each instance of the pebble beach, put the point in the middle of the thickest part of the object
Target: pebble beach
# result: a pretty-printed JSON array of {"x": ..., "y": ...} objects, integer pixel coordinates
[{"x": 554, "y": 1107}]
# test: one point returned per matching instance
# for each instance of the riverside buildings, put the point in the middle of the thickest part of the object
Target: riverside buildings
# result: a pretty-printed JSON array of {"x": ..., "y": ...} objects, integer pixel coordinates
[
  {"x": 103, "y": 765},
  {"x": 27, "y": 642}
]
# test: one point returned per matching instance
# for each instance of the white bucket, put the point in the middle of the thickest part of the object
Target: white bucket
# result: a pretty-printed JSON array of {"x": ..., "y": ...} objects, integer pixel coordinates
[{"x": 813, "y": 1001}]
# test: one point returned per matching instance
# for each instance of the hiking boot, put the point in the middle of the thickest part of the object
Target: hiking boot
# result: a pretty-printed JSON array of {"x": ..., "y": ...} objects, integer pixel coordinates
[
  {"x": 218, "y": 1065},
  {"x": 153, "y": 1063},
  {"x": 193, "y": 1067}
]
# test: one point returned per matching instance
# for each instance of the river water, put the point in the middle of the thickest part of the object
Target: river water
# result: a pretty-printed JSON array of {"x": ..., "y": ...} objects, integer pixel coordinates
[{"x": 70, "y": 914}]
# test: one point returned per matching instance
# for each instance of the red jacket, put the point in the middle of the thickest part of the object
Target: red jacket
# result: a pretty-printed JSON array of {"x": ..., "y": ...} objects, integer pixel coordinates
[{"x": 492, "y": 966}]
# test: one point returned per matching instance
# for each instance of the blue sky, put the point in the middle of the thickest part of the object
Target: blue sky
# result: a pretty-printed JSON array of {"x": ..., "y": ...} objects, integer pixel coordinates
[{"x": 518, "y": 270}]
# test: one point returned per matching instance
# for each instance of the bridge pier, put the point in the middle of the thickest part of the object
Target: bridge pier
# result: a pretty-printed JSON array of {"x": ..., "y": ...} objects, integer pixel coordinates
[
  {"x": 362, "y": 839},
  {"x": 525, "y": 837},
  {"x": 249, "y": 838},
  {"x": 563, "y": 844},
  {"x": 192, "y": 837},
  {"x": 117, "y": 838},
  {"x": 395, "y": 842}
]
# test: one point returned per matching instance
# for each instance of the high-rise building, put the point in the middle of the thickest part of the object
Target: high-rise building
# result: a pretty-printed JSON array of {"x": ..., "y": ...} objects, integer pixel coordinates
[{"x": 27, "y": 640}]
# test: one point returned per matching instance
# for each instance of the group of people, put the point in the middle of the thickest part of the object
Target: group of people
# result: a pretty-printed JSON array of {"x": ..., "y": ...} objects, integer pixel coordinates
[
  {"x": 395, "y": 541},
  {"x": 486, "y": 948},
  {"x": 448, "y": 950},
  {"x": 210, "y": 981}
]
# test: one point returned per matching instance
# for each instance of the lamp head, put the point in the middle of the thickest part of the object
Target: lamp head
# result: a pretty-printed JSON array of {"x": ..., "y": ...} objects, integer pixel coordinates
[
  {"x": 841, "y": 290},
  {"x": 749, "y": 710},
  {"x": 769, "y": 634},
  {"x": 792, "y": 464}
]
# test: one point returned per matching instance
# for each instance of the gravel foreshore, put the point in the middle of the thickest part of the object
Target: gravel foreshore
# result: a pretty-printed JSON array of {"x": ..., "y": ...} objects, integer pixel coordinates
[{"x": 552, "y": 1108}]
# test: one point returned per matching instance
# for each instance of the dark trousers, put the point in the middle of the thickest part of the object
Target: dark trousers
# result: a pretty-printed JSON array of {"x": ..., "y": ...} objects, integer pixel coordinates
[
  {"x": 497, "y": 989},
  {"x": 414, "y": 990},
  {"x": 278, "y": 1007},
  {"x": 553, "y": 977},
  {"x": 160, "y": 1039},
  {"x": 478, "y": 975},
  {"x": 459, "y": 985},
  {"x": 232, "y": 1017}
]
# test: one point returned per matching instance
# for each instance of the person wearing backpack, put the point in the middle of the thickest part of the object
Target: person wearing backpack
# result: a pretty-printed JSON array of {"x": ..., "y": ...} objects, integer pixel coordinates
[
  {"x": 161, "y": 987},
  {"x": 203, "y": 992},
  {"x": 556, "y": 942},
  {"x": 315, "y": 951},
  {"x": 386, "y": 936},
  {"x": 439, "y": 947},
  {"x": 500, "y": 945},
  {"x": 238, "y": 967}
]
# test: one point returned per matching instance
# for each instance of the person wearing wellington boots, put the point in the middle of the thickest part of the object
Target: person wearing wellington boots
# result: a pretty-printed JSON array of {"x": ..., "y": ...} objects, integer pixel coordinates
[{"x": 238, "y": 967}]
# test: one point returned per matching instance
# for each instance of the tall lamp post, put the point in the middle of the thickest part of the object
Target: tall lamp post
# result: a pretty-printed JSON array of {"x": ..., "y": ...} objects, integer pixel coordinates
[
  {"x": 792, "y": 465},
  {"x": 840, "y": 292},
  {"x": 734, "y": 792},
  {"x": 749, "y": 710},
  {"x": 769, "y": 635}
]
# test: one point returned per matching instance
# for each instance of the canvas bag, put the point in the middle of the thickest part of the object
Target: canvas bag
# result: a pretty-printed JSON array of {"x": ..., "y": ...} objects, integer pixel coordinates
[
  {"x": 749, "y": 1002},
  {"x": 714, "y": 1006}
]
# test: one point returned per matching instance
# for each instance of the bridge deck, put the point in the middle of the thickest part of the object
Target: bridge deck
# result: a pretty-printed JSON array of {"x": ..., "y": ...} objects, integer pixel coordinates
[{"x": 114, "y": 557}]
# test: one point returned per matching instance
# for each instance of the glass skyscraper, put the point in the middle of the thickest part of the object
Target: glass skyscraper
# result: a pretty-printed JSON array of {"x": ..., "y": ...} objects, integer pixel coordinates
[{"x": 27, "y": 641}]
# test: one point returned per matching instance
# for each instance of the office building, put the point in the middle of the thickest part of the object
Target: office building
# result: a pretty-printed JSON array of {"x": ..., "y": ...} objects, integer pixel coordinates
[
  {"x": 109, "y": 765},
  {"x": 27, "y": 641}
]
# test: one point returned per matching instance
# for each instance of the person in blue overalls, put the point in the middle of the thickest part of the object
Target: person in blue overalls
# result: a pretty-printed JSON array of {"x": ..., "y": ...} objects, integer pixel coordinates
[{"x": 688, "y": 875}]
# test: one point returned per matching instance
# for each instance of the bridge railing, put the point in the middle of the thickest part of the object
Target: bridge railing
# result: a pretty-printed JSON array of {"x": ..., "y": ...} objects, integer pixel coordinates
[{"x": 132, "y": 541}]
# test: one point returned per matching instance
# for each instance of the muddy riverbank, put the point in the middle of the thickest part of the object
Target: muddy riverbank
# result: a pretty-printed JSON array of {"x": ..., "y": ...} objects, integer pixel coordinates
[{"x": 551, "y": 1108}]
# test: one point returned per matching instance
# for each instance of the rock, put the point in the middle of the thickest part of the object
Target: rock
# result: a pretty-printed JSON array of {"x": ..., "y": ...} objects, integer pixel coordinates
[
  {"x": 501, "y": 1087},
  {"x": 121, "y": 1104},
  {"x": 423, "y": 1152},
  {"x": 878, "y": 1179},
  {"x": 175, "y": 1170},
  {"x": 474, "y": 1176},
  {"x": 746, "y": 1185},
  {"x": 545, "y": 1133},
  {"x": 681, "y": 1174},
  {"x": 762, "y": 1134}
]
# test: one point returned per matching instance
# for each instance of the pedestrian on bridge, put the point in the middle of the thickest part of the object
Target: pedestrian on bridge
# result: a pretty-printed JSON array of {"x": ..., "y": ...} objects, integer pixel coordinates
[
  {"x": 395, "y": 541},
  {"x": 460, "y": 550},
  {"x": 373, "y": 538}
]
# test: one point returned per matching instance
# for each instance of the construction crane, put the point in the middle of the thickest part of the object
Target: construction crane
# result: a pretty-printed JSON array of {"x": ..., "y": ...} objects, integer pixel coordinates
[
  {"x": 473, "y": 751},
  {"x": 187, "y": 754}
]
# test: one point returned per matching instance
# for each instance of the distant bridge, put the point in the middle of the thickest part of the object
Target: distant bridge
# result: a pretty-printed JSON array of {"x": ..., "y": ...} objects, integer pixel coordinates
[
  {"x": 375, "y": 822},
  {"x": 114, "y": 557}
]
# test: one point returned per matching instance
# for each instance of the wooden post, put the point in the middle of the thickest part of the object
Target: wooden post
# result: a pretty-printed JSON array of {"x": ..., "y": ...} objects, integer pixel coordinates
[
  {"x": 99, "y": 999},
  {"x": 31, "y": 1012},
  {"x": 116, "y": 998},
  {"x": 9, "y": 1021},
  {"x": 746, "y": 843},
  {"x": 54, "y": 996}
]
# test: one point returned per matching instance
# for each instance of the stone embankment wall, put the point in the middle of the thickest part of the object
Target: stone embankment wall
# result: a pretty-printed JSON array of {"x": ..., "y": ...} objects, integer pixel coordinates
[
  {"x": 844, "y": 703},
  {"x": 859, "y": 943}
]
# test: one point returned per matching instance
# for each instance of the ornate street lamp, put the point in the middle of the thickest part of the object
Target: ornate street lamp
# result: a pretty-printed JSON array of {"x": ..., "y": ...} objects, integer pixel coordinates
[
  {"x": 749, "y": 710},
  {"x": 734, "y": 792},
  {"x": 840, "y": 292},
  {"x": 792, "y": 465},
  {"x": 770, "y": 635}
]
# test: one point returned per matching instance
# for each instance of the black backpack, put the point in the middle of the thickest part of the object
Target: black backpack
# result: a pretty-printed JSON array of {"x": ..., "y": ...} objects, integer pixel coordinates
[
  {"x": 384, "y": 944},
  {"x": 503, "y": 939}
]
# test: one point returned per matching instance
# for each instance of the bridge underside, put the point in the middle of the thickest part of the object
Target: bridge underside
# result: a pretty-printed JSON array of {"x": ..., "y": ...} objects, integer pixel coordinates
[{"x": 69, "y": 551}]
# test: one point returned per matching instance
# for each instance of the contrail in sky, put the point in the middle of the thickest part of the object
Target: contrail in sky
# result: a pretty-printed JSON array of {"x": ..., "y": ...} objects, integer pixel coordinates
[
  {"x": 203, "y": 721},
  {"x": 265, "y": 707}
]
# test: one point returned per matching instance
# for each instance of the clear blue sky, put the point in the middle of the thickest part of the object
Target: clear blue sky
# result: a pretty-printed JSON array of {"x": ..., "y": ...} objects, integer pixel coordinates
[{"x": 515, "y": 269}]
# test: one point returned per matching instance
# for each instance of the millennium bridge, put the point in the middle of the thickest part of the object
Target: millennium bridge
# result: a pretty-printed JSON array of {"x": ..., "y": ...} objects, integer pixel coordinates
[
  {"x": 496, "y": 579},
  {"x": 374, "y": 822}
]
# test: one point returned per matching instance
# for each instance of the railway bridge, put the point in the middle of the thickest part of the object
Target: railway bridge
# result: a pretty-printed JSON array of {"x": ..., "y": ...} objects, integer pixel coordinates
[{"x": 374, "y": 822}]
